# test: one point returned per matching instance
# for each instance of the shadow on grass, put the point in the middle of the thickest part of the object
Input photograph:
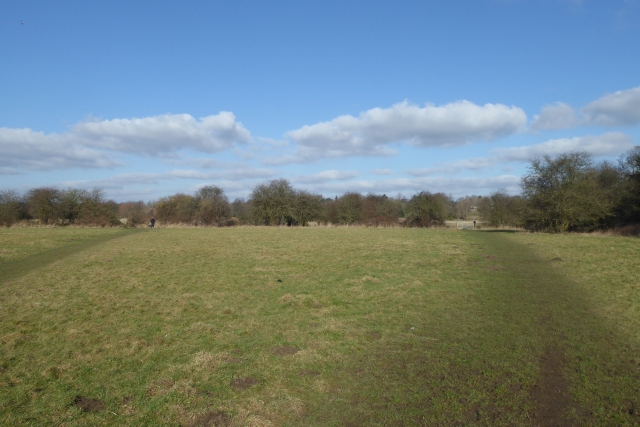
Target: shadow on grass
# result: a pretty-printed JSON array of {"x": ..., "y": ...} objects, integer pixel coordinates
[
  {"x": 500, "y": 231},
  {"x": 16, "y": 268},
  {"x": 529, "y": 351}
]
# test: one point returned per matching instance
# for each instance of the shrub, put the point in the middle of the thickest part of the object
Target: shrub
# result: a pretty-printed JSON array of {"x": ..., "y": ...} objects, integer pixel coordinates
[
  {"x": 426, "y": 210},
  {"x": 10, "y": 207},
  {"x": 43, "y": 203},
  {"x": 349, "y": 208},
  {"x": 272, "y": 203},
  {"x": 213, "y": 206},
  {"x": 500, "y": 209},
  {"x": 564, "y": 194}
]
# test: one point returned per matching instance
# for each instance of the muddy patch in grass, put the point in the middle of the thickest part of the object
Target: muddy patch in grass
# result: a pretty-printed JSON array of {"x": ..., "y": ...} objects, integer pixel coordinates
[
  {"x": 211, "y": 419},
  {"x": 244, "y": 383},
  {"x": 490, "y": 257},
  {"x": 285, "y": 350},
  {"x": 89, "y": 405},
  {"x": 557, "y": 259},
  {"x": 551, "y": 397}
]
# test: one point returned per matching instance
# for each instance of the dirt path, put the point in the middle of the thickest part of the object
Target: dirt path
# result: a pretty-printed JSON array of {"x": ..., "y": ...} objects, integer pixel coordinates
[
  {"x": 542, "y": 287},
  {"x": 551, "y": 395}
]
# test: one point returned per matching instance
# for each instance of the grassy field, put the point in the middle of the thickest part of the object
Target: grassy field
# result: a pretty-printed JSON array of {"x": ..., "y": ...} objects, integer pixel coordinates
[{"x": 318, "y": 327}]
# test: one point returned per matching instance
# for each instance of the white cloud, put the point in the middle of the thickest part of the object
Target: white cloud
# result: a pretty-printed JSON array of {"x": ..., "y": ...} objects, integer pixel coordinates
[
  {"x": 10, "y": 171},
  {"x": 369, "y": 134},
  {"x": 121, "y": 181},
  {"x": 556, "y": 116},
  {"x": 163, "y": 134},
  {"x": 620, "y": 108},
  {"x": 83, "y": 146},
  {"x": 456, "y": 186},
  {"x": 229, "y": 173},
  {"x": 598, "y": 145},
  {"x": 328, "y": 175},
  {"x": 474, "y": 163},
  {"x": 611, "y": 143},
  {"x": 25, "y": 149}
]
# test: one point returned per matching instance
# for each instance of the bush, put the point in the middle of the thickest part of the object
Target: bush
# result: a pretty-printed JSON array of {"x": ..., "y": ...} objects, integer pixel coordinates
[
  {"x": 564, "y": 194},
  {"x": 179, "y": 208},
  {"x": 272, "y": 203},
  {"x": 349, "y": 208},
  {"x": 43, "y": 203},
  {"x": 427, "y": 210},
  {"x": 213, "y": 206},
  {"x": 500, "y": 209},
  {"x": 11, "y": 208}
]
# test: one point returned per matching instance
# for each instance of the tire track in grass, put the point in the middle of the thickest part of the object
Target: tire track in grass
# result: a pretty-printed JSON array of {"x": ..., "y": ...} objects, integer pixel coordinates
[{"x": 11, "y": 270}]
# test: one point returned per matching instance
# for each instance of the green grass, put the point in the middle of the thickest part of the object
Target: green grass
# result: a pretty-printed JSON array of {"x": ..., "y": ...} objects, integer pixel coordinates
[{"x": 392, "y": 327}]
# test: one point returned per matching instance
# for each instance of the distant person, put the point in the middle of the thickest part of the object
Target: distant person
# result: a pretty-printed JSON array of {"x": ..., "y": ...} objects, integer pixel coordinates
[
  {"x": 152, "y": 223},
  {"x": 474, "y": 223}
]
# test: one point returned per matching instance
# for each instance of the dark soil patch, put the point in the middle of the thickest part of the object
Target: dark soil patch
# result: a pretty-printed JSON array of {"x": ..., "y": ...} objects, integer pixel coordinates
[
  {"x": 375, "y": 336},
  {"x": 89, "y": 405},
  {"x": 491, "y": 257},
  {"x": 244, "y": 383},
  {"x": 551, "y": 396},
  {"x": 496, "y": 267},
  {"x": 556, "y": 259},
  {"x": 212, "y": 419},
  {"x": 308, "y": 373},
  {"x": 285, "y": 350},
  {"x": 473, "y": 414}
]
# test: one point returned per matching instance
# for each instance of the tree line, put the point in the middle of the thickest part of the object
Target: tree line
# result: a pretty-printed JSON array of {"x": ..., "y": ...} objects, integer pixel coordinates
[
  {"x": 570, "y": 192},
  {"x": 277, "y": 203}
]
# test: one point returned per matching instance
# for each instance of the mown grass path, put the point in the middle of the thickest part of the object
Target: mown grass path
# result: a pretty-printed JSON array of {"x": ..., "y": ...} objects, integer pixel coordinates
[
  {"x": 318, "y": 327},
  {"x": 64, "y": 244},
  {"x": 528, "y": 349}
]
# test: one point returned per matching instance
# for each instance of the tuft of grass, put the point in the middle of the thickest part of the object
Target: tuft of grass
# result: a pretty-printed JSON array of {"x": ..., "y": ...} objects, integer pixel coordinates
[{"x": 315, "y": 326}]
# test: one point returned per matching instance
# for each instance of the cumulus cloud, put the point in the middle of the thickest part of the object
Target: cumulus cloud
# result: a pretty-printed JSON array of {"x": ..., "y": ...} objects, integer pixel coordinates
[
  {"x": 369, "y": 134},
  {"x": 86, "y": 144},
  {"x": 620, "y": 108},
  {"x": 611, "y": 143},
  {"x": 163, "y": 134},
  {"x": 120, "y": 181},
  {"x": 25, "y": 149},
  {"x": 474, "y": 163},
  {"x": 556, "y": 116},
  {"x": 328, "y": 175},
  {"x": 598, "y": 145}
]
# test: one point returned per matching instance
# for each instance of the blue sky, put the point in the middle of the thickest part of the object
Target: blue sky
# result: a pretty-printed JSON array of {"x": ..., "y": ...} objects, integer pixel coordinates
[{"x": 147, "y": 99}]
